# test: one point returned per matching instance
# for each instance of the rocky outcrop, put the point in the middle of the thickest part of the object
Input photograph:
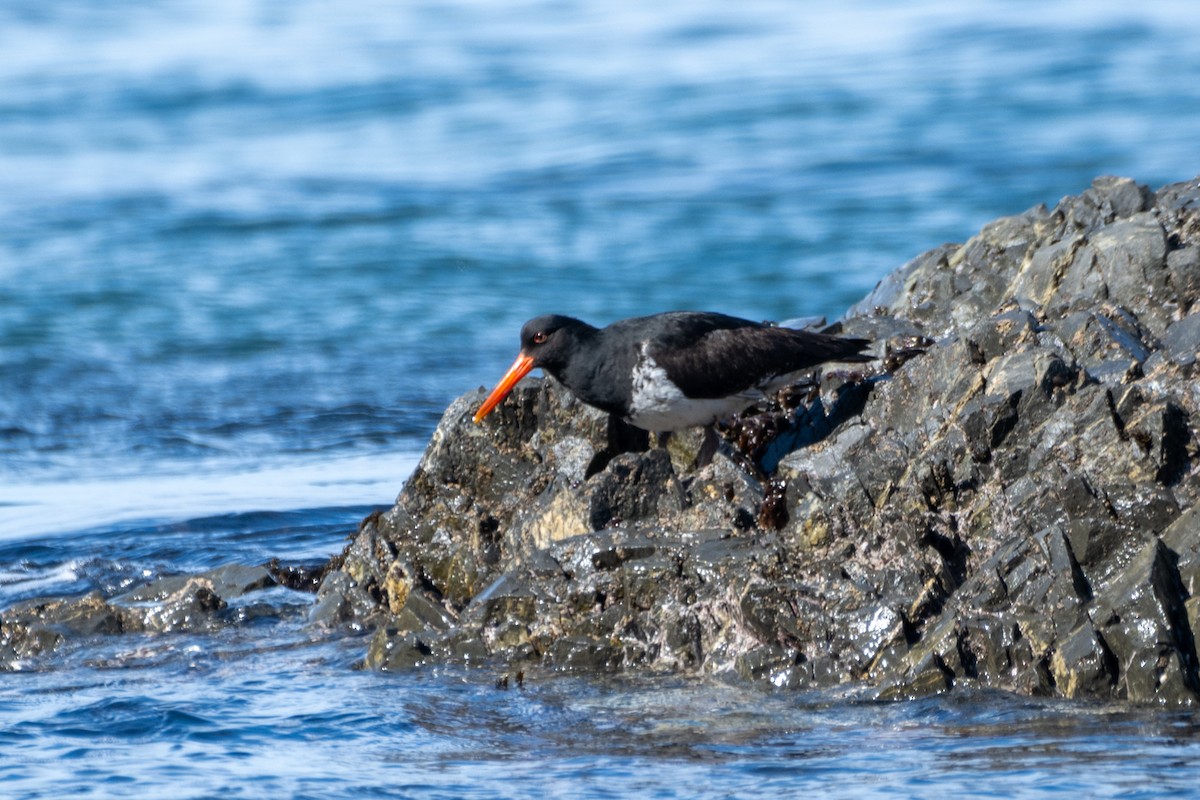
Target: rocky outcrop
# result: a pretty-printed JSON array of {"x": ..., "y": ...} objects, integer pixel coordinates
[
  {"x": 1012, "y": 508},
  {"x": 1007, "y": 501}
]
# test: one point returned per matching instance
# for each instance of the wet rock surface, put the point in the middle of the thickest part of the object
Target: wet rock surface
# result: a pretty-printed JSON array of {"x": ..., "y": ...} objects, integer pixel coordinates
[
  {"x": 198, "y": 604},
  {"x": 1007, "y": 500}
]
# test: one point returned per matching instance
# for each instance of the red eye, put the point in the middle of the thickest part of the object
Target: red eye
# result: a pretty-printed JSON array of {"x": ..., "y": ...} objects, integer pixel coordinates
[{"x": 539, "y": 337}]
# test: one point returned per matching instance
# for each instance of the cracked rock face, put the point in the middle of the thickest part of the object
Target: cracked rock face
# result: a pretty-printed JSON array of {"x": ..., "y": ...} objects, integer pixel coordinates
[{"x": 1014, "y": 507}]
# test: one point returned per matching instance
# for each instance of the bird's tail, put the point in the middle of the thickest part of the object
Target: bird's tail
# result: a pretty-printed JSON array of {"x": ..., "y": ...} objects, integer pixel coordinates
[{"x": 852, "y": 350}]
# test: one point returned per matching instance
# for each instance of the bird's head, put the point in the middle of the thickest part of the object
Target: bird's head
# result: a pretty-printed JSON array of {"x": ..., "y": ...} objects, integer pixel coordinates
[{"x": 546, "y": 342}]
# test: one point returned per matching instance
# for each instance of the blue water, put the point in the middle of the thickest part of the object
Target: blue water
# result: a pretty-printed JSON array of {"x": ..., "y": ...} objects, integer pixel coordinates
[{"x": 249, "y": 250}]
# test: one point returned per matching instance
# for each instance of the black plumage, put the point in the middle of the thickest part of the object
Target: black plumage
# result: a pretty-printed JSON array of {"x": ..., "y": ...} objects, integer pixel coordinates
[{"x": 674, "y": 370}]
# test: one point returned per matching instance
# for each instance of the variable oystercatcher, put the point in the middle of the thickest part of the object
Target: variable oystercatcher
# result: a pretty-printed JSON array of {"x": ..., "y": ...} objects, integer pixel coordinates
[{"x": 666, "y": 372}]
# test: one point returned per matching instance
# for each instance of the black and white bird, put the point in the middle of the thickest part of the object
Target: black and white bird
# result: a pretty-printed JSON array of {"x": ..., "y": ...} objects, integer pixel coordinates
[{"x": 666, "y": 372}]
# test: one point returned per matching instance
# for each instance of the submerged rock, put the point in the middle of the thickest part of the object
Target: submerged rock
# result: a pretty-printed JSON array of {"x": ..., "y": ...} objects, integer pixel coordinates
[
  {"x": 174, "y": 604},
  {"x": 1008, "y": 502}
]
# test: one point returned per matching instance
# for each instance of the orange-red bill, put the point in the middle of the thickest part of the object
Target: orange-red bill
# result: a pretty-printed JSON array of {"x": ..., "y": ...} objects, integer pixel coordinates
[{"x": 519, "y": 369}]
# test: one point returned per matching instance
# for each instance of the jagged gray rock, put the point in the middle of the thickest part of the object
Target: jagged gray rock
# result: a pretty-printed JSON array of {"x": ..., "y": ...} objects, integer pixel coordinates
[{"x": 1012, "y": 509}]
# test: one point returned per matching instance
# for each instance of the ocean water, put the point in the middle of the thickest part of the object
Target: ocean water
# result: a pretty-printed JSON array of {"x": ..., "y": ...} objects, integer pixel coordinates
[{"x": 250, "y": 249}]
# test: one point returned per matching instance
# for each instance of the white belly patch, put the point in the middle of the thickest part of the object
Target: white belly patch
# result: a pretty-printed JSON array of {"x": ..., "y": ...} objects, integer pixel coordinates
[{"x": 659, "y": 405}]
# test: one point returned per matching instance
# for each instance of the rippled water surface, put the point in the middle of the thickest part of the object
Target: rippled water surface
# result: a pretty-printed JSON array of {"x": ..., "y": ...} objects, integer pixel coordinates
[
  {"x": 295, "y": 721},
  {"x": 249, "y": 250}
]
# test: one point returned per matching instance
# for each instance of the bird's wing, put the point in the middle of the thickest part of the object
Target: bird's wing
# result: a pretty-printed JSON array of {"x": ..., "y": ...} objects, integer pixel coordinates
[{"x": 734, "y": 360}]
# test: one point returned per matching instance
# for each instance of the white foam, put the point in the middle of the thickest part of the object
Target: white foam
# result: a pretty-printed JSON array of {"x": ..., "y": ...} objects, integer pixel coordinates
[
  {"x": 43, "y": 507},
  {"x": 37, "y": 578}
]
